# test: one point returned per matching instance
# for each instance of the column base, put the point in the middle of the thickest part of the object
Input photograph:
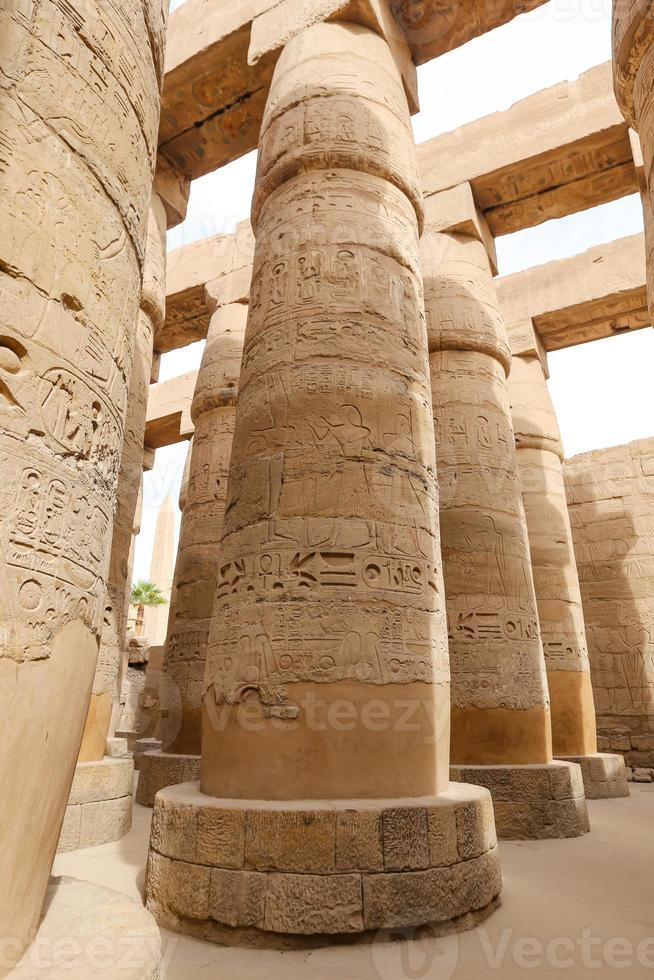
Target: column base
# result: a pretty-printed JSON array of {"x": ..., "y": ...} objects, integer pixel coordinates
[
  {"x": 604, "y": 775},
  {"x": 143, "y": 745},
  {"x": 160, "y": 769},
  {"x": 99, "y": 808},
  {"x": 309, "y": 873},
  {"x": 88, "y": 931},
  {"x": 537, "y": 802}
]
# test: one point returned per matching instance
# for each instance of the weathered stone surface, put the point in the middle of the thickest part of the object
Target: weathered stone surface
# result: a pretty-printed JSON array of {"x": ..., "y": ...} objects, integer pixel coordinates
[
  {"x": 558, "y": 596},
  {"x": 359, "y": 841},
  {"x": 314, "y": 904},
  {"x": 80, "y": 90},
  {"x": 159, "y": 769},
  {"x": 406, "y": 839},
  {"x": 533, "y": 802},
  {"x": 500, "y": 709},
  {"x": 88, "y": 933},
  {"x": 187, "y": 890},
  {"x": 105, "y": 821},
  {"x": 403, "y": 899},
  {"x": 610, "y": 494},
  {"x": 198, "y": 556},
  {"x": 604, "y": 775},
  {"x": 277, "y": 841},
  {"x": 238, "y": 898},
  {"x": 221, "y": 837},
  {"x": 106, "y": 780}
]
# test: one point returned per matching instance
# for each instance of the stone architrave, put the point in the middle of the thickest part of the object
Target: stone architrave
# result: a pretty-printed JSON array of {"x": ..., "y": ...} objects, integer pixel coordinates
[
  {"x": 558, "y": 597},
  {"x": 319, "y": 813},
  {"x": 633, "y": 76},
  {"x": 114, "y": 631},
  {"x": 198, "y": 556},
  {"x": 501, "y": 729},
  {"x": 79, "y": 115}
]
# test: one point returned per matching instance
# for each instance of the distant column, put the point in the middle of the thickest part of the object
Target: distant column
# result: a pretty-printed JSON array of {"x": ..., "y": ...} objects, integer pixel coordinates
[
  {"x": 540, "y": 458},
  {"x": 162, "y": 570},
  {"x": 500, "y": 703}
]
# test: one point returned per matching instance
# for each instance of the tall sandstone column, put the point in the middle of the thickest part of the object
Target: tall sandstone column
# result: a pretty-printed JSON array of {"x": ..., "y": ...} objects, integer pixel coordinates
[
  {"x": 633, "y": 75},
  {"x": 79, "y": 116},
  {"x": 198, "y": 558},
  {"x": 501, "y": 730},
  {"x": 114, "y": 632},
  {"x": 324, "y": 751},
  {"x": 540, "y": 460}
]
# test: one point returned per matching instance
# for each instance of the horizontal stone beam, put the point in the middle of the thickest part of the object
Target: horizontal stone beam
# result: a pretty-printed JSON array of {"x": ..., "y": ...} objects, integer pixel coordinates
[
  {"x": 213, "y": 99},
  {"x": 554, "y": 153},
  {"x": 168, "y": 420},
  {"x": 597, "y": 294}
]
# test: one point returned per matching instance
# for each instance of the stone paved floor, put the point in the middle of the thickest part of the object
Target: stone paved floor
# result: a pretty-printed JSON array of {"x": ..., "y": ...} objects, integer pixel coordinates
[{"x": 570, "y": 908}]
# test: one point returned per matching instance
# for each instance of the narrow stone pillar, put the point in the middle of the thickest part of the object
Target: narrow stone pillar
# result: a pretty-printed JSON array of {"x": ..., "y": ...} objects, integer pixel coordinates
[
  {"x": 79, "y": 115},
  {"x": 114, "y": 631},
  {"x": 501, "y": 730},
  {"x": 325, "y": 806},
  {"x": 162, "y": 571},
  {"x": 198, "y": 557},
  {"x": 558, "y": 596},
  {"x": 633, "y": 75}
]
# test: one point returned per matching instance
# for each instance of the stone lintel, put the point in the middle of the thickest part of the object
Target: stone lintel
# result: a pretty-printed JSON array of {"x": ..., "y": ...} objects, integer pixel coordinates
[
  {"x": 274, "y": 28},
  {"x": 173, "y": 187},
  {"x": 189, "y": 269},
  {"x": 559, "y": 151},
  {"x": 455, "y": 210},
  {"x": 524, "y": 341},
  {"x": 599, "y": 293},
  {"x": 213, "y": 99},
  {"x": 168, "y": 418},
  {"x": 232, "y": 288}
]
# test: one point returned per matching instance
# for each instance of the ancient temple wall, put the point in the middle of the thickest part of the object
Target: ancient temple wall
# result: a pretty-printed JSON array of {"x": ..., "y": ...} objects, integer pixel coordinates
[
  {"x": 79, "y": 89},
  {"x": 611, "y": 503}
]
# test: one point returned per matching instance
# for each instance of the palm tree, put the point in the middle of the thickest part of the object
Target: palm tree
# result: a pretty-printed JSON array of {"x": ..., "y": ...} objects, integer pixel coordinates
[{"x": 145, "y": 594}]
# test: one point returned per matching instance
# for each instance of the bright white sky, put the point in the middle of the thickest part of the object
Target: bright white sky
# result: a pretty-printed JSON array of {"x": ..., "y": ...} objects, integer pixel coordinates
[{"x": 602, "y": 391}]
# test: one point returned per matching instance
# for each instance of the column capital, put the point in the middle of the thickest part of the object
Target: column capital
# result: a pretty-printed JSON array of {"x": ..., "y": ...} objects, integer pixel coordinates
[
  {"x": 173, "y": 187},
  {"x": 273, "y": 29},
  {"x": 633, "y": 35},
  {"x": 455, "y": 210}
]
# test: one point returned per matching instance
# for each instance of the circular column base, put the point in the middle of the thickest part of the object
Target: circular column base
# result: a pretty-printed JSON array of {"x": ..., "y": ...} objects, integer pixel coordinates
[
  {"x": 309, "y": 873},
  {"x": 604, "y": 775},
  {"x": 87, "y": 931},
  {"x": 537, "y": 802},
  {"x": 160, "y": 769},
  {"x": 99, "y": 808}
]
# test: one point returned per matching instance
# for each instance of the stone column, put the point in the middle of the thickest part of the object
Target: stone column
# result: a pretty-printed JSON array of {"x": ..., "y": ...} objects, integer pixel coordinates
[
  {"x": 501, "y": 729},
  {"x": 198, "y": 557},
  {"x": 114, "y": 632},
  {"x": 324, "y": 752},
  {"x": 79, "y": 116},
  {"x": 162, "y": 570},
  {"x": 633, "y": 75},
  {"x": 540, "y": 460}
]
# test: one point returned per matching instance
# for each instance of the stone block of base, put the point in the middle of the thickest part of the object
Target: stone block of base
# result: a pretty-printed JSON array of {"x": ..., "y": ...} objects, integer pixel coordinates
[
  {"x": 307, "y": 873},
  {"x": 604, "y": 775},
  {"x": 105, "y": 934},
  {"x": 143, "y": 745},
  {"x": 160, "y": 769},
  {"x": 536, "y": 802},
  {"x": 99, "y": 807}
]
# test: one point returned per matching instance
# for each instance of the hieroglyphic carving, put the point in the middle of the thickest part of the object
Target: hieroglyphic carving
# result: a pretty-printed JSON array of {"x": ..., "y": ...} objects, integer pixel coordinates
[
  {"x": 79, "y": 118},
  {"x": 495, "y": 649},
  {"x": 330, "y": 565},
  {"x": 198, "y": 558},
  {"x": 610, "y": 494}
]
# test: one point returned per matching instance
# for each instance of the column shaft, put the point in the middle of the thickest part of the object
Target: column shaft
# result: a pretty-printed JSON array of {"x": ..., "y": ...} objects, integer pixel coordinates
[{"x": 79, "y": 116}]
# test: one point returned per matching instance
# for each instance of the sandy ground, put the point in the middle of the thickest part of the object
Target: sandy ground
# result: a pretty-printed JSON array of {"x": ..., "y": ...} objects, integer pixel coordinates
[{"x": 572, "y": 908}]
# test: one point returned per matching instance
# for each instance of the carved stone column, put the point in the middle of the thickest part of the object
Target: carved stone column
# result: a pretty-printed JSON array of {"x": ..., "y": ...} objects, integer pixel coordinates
[
  {"x": 633, "y": 73},
  {"x": 501, "y": 731},
  {"x": 325, "y": 806},
  {"x": 199, "y": 555},
  {"x": 79, "y": 111},
  {"x": 540, "y": 459}
]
